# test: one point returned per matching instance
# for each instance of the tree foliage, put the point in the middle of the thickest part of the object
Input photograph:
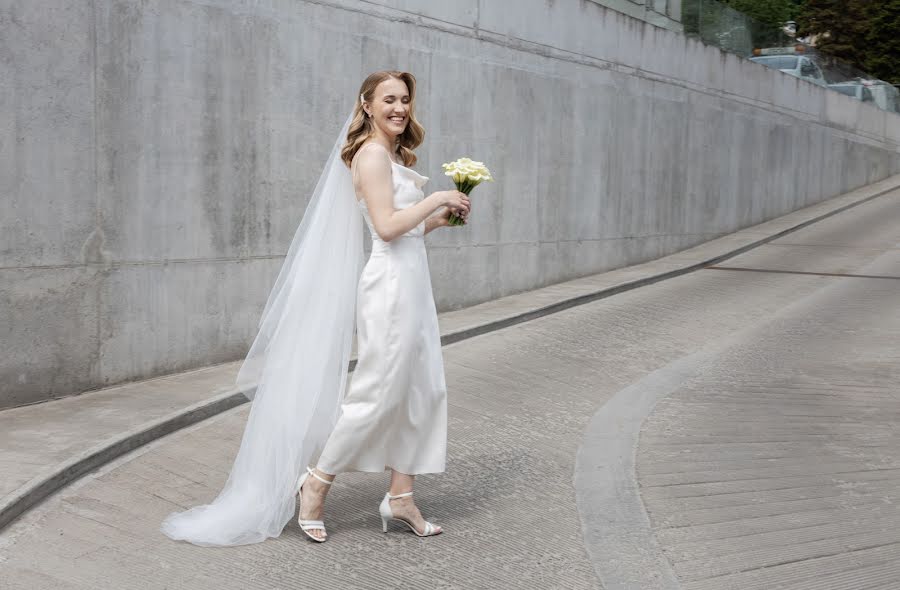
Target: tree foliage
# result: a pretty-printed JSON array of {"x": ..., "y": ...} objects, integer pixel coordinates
[
  {"x": 865, "y": 33},
  {"x": 882, "y": 57}
]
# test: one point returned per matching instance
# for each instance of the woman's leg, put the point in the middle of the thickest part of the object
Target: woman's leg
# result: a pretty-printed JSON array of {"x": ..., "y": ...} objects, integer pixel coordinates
[
  {"x": 405, "y": 507},
  {"x": 400, "y": 482},
  {"x": 312, "y": 499}
]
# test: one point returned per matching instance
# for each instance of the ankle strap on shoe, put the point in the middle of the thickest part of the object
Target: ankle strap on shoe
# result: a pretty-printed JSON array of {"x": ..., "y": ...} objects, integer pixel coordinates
[
  {"x": 314, "y": 474},
  {"x": 403, "y": 495}
]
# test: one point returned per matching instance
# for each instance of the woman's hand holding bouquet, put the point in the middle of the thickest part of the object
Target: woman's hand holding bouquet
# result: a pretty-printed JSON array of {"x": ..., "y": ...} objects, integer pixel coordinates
[{"x": 466, "y": 175}]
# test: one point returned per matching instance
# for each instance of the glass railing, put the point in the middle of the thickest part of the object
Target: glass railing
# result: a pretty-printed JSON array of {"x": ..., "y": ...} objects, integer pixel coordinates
[{"x": 720, "y": 25}]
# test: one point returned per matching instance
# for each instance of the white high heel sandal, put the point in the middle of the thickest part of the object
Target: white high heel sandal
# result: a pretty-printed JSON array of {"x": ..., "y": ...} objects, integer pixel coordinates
[
  {"x": 307, "y": 525},
  {"x": 386, "y": 514}
]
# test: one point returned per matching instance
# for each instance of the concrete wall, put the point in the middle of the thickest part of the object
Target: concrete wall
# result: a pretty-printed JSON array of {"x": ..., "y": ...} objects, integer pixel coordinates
[{"x": 155, "y": 158}]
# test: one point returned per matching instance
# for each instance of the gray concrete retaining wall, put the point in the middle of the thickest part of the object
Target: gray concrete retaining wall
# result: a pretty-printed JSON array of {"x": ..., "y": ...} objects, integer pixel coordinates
[{"x": 155, "y": 158}]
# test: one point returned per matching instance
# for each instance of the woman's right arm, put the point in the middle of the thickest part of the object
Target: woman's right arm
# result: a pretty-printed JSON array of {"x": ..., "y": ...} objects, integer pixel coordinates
[{"x": 376, "y": 185}]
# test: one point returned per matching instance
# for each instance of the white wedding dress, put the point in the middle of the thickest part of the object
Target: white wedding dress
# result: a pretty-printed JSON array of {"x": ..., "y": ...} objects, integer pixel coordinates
[{"x": 395, "y": 412}]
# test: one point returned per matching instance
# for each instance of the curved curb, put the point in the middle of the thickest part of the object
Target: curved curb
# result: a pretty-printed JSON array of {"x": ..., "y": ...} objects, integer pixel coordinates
[
  {"x": 618, "y": 535},
  {"x": 58, "y": 476}
]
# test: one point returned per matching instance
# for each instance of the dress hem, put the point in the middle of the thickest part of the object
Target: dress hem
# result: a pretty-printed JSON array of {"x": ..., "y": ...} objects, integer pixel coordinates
[{"x": 382, "y": 469}]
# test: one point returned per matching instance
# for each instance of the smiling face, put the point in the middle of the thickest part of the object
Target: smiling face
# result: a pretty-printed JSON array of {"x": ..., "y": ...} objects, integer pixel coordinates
[{"x": 389, "y": 107}]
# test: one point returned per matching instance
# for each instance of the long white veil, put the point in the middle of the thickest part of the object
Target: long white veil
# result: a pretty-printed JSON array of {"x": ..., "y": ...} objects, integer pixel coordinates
[{"x": 299, "y": 363}]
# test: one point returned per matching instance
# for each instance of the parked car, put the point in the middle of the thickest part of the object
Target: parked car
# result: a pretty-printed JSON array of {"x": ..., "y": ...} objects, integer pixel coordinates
[
  {"x": 886, "y": 96},
  {"x": 857, "y": 90},
  {"x": 798, "y": 66}
]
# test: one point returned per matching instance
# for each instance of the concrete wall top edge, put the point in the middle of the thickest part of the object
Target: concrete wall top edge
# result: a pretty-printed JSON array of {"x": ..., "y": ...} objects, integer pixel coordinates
[{"x": 592, "y": 34}]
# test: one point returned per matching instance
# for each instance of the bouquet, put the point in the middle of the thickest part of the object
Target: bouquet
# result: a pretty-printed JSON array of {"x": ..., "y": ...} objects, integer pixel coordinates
[{"x": 466, "y": 175}]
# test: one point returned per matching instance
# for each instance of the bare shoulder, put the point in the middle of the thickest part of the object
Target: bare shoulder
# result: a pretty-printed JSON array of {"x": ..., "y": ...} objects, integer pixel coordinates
[
  {"x": 371, "y": 160},
  {"x": 372, "y": 170}
]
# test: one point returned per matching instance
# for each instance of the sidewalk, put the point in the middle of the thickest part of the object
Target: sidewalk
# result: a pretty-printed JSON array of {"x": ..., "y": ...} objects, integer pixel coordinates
[{"x": 45, "y": 446}]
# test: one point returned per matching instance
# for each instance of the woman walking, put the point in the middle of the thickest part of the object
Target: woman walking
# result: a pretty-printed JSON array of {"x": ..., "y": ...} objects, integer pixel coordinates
[{"x": 395, "y": 412}]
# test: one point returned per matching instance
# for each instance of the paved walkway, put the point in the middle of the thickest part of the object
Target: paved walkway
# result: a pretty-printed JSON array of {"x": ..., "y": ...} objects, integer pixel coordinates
[{"x": 524, "y": 400}]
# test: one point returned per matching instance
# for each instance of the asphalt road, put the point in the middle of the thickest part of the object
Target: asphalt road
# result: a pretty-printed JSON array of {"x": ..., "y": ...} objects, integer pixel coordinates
[{"x": 723, "y": 429}]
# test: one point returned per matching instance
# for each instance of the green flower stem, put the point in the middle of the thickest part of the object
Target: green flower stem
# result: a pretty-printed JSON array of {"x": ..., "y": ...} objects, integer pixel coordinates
[{"x": 465, "y": 187}]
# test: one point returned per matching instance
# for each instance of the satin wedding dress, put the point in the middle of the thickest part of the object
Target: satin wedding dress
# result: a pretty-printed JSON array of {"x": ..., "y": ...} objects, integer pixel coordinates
[
  {"x": 395, "y": 412},
  {"x": 296, "y": 369}
]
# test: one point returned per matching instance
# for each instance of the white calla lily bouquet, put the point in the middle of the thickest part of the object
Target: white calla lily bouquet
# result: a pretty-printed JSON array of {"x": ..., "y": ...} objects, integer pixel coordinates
[{"x": 466, "y": 175}]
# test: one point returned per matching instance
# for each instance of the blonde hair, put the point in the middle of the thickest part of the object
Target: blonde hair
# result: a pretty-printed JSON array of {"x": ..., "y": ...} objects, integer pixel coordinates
[{"x": 361, "y": 127}]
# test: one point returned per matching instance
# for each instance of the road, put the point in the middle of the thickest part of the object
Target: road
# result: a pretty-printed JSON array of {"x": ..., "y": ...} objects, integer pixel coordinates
[{"x": 735, "y": 427}]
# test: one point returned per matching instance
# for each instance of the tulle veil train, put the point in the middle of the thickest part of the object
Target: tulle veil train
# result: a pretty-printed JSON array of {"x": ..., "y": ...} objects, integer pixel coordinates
[{"x": 298, "y": 364}]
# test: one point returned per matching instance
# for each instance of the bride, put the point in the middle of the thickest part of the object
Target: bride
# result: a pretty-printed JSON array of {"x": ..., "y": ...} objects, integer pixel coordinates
[{"x": 394, "y": 414}]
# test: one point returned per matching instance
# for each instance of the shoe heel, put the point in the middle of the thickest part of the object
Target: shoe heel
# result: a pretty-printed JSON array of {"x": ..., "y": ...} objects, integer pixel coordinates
[{"x": 383, "y": 524}]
